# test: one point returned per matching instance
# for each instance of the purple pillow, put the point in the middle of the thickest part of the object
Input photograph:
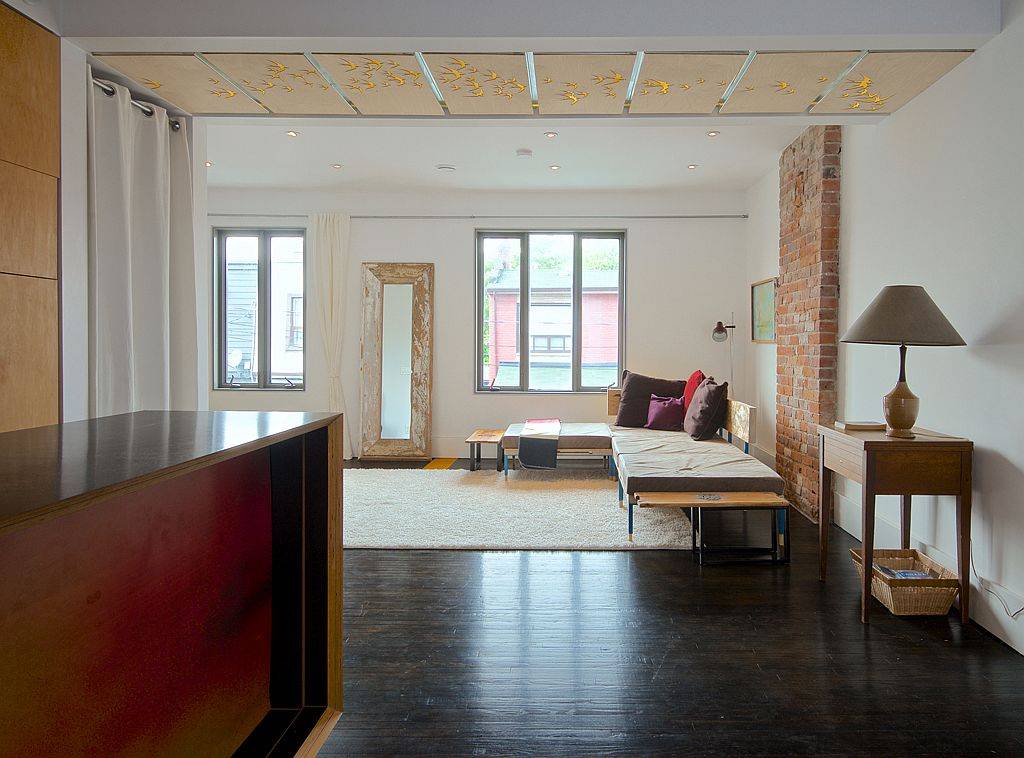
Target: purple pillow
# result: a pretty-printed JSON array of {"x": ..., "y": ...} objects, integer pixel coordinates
[
  {"x": 665, "y": 414},
  {"x": 635, "y": 399}
]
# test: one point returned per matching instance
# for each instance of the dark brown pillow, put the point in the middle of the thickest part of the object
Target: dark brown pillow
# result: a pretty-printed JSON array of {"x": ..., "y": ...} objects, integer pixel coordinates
[
  {"x": 706, "y": 412},
  {"x": 636, "y": 396}
]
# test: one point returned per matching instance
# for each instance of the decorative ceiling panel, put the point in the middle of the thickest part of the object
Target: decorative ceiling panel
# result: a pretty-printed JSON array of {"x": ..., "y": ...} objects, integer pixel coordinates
[
  {"x": 482, "y": 84},
  {"x": 589, "y": 84},
  {"x": 786, "y": 82},
  {"x": 285, "y": 83},
  {"x": 884, "y": 82},
  {"x": 185, "y": 81},
  {"x": 382, "y": 85},
  {"x": 683, "y": 82}
]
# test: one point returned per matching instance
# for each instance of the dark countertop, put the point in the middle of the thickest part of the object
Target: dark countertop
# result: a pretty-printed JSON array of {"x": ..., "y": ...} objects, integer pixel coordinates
[{"x": 45, "y": 469}]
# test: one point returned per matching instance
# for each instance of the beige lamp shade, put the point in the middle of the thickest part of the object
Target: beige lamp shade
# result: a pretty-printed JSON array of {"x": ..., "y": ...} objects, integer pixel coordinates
[{"x": 903, "y": 314}]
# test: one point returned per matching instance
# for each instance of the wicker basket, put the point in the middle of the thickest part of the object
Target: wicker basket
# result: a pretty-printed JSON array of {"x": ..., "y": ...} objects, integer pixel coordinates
[{"x": 910, "y": 597}]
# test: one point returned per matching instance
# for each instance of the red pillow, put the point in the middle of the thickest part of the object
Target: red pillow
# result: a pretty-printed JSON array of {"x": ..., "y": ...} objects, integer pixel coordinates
[
  {"x": 691, "y": 386},
  {"x": 665, "y": 414}
]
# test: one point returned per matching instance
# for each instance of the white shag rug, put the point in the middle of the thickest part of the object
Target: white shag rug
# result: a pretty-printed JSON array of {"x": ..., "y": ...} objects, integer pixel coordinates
[{"x": 472, "y": 510}]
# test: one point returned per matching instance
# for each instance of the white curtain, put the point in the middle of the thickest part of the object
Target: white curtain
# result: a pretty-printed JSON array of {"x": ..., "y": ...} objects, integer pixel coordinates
[
  {"x": 329, "y": 233},
  {"x": 142, "y": 294}
]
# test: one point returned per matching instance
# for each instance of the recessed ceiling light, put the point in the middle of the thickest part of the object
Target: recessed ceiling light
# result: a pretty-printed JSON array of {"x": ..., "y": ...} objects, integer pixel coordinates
[
  {"x": 554, "y": 167},
  {"x": 292, "y": 133},
  {"x": 713, "y": 133},
  {"x": 692, "y": 167},
  {"x": 524, "y": 152},
  {"x": 335, "y": 165},
  {"x": 550, "y": 135},
  {"x": 209, "y": 163},
  {"x": 444, "y": 167}
]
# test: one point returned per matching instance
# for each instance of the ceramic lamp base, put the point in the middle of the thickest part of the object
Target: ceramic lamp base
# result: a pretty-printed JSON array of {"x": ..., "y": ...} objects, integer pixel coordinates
[{"x": 901, "y": 407}]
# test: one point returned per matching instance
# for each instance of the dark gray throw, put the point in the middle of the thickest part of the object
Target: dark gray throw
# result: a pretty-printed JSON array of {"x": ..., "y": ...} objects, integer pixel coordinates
[{"x": 538, "y": 443}]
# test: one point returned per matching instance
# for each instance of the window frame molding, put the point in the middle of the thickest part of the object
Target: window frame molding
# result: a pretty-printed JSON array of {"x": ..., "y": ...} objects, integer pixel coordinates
[
  {"x": 522, "y": 312},
  {"x": 219, "y": 306}
]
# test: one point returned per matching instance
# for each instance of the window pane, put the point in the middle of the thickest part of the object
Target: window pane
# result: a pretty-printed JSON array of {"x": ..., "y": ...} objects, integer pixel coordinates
[
  {"x": 241, "y": 309},
  {"x": 551, "y": 258},
  {"x": 286, "y": 310},
  {"x": 599, "y": 352},
  {"x": 499, "y": 332}
]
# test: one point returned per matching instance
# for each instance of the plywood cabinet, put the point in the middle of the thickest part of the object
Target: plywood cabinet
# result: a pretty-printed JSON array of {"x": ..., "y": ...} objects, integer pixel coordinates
[
  {"x": 29, "y": 350},
  {"x": 28, "y": 217},
  {"x": 29, "y": 94},
  {"x": 29, "y": 213}
]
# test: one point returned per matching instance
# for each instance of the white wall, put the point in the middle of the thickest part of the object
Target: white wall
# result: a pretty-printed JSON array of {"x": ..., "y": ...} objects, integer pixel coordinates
[
  {"x": 682, "y": 276},
  {"x": 762, "y": 263},
  {"x": 74, "y": 233},
  {"x": 932, "y": 196}
]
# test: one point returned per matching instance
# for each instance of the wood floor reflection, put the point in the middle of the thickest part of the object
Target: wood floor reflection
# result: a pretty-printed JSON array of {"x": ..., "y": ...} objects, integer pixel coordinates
[{"x": 643, "y": 653}]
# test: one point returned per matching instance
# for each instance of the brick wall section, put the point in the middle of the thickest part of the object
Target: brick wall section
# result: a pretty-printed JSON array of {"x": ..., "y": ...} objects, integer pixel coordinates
[{"x": 807, "y": 304}]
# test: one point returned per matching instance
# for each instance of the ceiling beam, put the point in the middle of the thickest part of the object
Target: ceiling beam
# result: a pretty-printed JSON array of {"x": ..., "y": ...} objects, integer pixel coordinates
[{"x": 468, "y": 19}]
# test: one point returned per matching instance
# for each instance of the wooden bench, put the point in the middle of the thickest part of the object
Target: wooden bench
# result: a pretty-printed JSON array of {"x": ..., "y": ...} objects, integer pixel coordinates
[
  {"x": 724, "y": 501},
  {"x": 489, "y": 437}
]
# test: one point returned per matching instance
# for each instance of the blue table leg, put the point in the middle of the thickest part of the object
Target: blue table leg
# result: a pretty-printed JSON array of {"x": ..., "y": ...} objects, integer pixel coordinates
[
  {"x": 506, "y": 466},
  {"x": 631, "y": 519},
  {"x": 620, "y": 494}
]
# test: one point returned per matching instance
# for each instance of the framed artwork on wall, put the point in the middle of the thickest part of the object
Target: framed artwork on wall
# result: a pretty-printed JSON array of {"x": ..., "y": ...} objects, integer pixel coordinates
[{"x": 762, "y": 311}]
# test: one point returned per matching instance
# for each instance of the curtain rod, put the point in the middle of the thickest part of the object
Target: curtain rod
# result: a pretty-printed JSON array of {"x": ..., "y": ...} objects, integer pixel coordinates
[
  {"x": 146, "y": 108},
  {"x": 485, "y": 216}
]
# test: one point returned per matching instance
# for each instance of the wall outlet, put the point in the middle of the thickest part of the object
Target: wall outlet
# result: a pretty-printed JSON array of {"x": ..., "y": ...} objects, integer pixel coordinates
[{"x": 1012, "y": 600}]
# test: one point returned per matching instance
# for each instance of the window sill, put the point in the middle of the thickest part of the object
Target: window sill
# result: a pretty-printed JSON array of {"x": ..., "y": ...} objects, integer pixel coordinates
[
  {"x": 259, "y": 389},
  {"x": 540, "y": 392}
]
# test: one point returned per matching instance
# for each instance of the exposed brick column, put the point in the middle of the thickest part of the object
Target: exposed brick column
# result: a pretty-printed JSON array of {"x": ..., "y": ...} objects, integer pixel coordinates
[{"x": 807, "y": 305}]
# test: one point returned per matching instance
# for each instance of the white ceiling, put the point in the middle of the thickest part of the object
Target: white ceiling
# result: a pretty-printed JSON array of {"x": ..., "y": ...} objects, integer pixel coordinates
[
  {"x": 150, "y": 20},
  {"x": 595, "y": 154}
]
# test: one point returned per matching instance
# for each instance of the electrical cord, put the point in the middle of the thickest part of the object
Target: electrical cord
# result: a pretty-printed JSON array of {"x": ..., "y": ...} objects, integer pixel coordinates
[{"x": 983, "y": 583}]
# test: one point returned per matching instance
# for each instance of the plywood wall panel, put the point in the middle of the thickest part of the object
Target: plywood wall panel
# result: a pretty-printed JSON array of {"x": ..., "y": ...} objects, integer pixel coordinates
[
  {"x": 683, "y": 82},
  {"x": 582, "y": 84},
  {"x": 29, "y": 347},
  {"x": 286, "y": 83},
  {"x": 185, "y": 81},
  {"x": 28, "y": 220},
  {"x": 884, "y": 82},
  {"x": 29, "y": 94},
  {"x": 482, "y": 84},
  {"x": 786, "y": 82}
]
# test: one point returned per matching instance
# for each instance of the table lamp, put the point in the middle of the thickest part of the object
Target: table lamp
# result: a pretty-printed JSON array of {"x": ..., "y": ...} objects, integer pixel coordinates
[{"x": 902, "y": 315}]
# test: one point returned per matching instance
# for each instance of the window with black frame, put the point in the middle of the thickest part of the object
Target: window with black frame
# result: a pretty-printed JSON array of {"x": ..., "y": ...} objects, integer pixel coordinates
[
  {"x": 560, "y": 294},
  {"x": 260, "y": 313}
]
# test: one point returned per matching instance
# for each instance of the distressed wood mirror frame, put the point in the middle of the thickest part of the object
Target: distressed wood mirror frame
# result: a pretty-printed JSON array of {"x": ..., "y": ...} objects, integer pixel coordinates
[{"x": 374, "y": 277}]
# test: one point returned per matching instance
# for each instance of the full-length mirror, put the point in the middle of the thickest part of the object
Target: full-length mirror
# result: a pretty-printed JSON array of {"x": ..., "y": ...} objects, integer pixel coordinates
[
  {"x": 396, "y": 363},
  {"x": 396, "y": 360}
]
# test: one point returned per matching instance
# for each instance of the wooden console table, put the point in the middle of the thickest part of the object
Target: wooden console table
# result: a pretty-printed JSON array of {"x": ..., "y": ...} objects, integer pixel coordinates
[{"x": 929, "y": 464}]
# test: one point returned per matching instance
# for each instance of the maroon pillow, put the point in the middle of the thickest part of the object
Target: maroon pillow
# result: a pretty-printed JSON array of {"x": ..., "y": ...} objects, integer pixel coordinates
[
  {"x": 636, "y": 396},
  {"x": 665, "y": 414},
  {"x": 706, "y": 412},
  {"x": 691, "y": 386}
]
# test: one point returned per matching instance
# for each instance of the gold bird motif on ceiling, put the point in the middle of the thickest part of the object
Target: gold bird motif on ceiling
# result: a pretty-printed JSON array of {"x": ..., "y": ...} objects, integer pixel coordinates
[{"x": 662, "y": 86}]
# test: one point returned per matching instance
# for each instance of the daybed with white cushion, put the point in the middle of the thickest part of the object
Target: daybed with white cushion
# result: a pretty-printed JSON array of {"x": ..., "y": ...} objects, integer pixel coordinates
[{"x": 650, "y": 461}]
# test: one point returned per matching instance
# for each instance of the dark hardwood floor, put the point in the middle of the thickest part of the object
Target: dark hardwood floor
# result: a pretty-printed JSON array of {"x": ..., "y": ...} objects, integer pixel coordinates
[{"x": 642, "y": 653}]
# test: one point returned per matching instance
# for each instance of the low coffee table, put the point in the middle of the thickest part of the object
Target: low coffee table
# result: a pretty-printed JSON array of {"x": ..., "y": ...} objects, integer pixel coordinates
[{"x": 485, "y": 436}]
